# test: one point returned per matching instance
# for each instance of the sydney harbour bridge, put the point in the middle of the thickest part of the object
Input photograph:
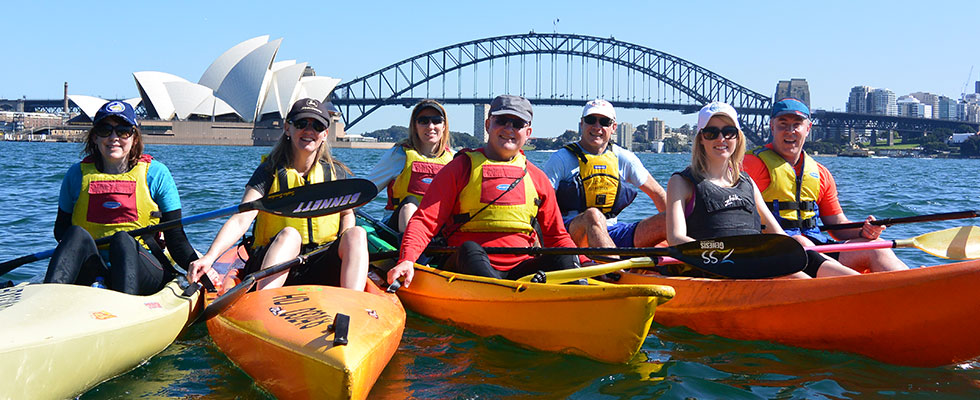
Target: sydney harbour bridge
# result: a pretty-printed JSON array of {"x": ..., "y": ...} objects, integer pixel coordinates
[{"x": 567, "y": 70}]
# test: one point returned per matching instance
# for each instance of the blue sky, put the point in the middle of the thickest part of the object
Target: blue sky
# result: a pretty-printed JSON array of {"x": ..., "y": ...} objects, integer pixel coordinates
[{"x": 905, "y": 46}]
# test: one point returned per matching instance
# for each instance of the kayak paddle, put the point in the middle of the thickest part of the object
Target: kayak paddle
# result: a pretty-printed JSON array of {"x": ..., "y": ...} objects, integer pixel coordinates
[
  {"x": 235, "y": 293},
  {"x": 299, "y": 202},
  {"x": 737, "y": 257},
  {"x": 905, "y": 220},
  {"x": 962, "y": 243}
]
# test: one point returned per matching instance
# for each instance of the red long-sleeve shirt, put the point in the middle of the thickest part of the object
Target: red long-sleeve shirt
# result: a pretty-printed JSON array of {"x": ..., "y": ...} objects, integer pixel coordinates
[{"x": 441, "y": 202}]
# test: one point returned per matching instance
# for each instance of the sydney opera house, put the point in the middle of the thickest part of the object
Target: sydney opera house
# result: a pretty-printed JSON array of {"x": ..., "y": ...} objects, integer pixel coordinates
[{"x": 240, "y": 99}]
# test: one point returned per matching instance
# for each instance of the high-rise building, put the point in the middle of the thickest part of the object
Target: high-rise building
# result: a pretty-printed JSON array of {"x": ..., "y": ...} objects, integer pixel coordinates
[
  {"x": 977, "y": 88},
  {"x": 624, "y": 135},
  {"x": 883, "y": 102},
  {"x": 796, "y": 87},
  {"x": 909, "y": 106},
  {"x": 930, "y": 100},
  {"x": 655, "y": 130},
  {"x": 480, "y": 112},
  {"x": 947, "y": 108},
  {"x": 859, "y": 101}
]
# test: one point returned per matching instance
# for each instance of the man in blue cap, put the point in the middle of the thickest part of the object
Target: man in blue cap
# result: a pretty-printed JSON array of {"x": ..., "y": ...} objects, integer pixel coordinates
[{"x": 801, "y": 192}]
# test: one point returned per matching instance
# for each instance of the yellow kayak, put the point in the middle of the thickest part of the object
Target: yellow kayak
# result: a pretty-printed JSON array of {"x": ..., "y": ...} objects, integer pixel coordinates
[
  {"x": 603, "y": 322},
  {"x": 61, "y": 340}
]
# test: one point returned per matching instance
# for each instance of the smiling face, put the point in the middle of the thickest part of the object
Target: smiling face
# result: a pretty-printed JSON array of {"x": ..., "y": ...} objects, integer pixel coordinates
[
  {"x": 504, "y": 141},
  {"x": 595, "y": 137},
  {"x": 789, "y": 132},
  {"x": 718, "y": 150},
  {"x": 430, "y": 133},
  {"x": 113, "y": 148},
  {"x": 306, "y": 141}
]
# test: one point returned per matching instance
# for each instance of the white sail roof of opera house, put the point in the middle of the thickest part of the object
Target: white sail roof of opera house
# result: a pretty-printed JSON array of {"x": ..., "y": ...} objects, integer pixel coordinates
[{"x": 244, "y": 81}]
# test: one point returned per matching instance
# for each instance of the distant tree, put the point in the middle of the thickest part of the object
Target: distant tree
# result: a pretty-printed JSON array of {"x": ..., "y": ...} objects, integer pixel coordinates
[
  {"x": 674, "y": 145},
  {"x": 970, "y": 147},
  {"x": 465, "y": 140},
  {"x": 685, "y": 129},
  {"x": 822, "y": 147},
  {"x": 568, "y": 136},
  {"x": 935, "y": 147},
  {"x": 964, "y": 129},
  {"x": 393, "y": 134}
]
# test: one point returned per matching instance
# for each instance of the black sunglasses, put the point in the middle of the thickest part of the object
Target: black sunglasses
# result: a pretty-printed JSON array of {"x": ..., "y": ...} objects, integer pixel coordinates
[
  {"x": 105, "y": 130},
  {"x": 604, "y": 121},
  {"x": 301, "y": 124},
  {"x": 424, "y": 120},
  {"x": 711, "y": 132},
  {"x": 517, "y": 123}
]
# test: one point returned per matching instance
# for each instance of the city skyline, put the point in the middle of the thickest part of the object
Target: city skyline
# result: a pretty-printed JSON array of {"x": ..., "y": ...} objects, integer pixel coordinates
[{"x": 756, "y": 46}]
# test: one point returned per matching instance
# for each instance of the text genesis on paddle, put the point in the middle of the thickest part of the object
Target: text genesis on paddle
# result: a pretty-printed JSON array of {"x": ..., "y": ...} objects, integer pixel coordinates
[{"x": 710, "y": 247}]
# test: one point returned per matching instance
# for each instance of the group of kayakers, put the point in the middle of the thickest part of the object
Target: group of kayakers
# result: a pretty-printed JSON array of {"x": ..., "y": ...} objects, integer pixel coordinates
[{"x": 487, "y": 197}]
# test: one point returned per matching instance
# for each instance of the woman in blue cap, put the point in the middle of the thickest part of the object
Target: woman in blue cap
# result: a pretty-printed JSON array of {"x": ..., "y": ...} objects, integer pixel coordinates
[{"x": 115, "y": 189}]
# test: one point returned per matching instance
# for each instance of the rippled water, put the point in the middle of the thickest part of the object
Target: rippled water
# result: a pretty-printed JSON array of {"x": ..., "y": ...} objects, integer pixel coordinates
[{"x": 435, "y": 361}]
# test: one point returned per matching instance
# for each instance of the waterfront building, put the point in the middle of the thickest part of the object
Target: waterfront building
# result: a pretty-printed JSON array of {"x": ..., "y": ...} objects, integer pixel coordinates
[
  {"x": 909, "y": 106},
  {"x": 883, "y": 102},
  {"x": 796, "y": 88},
  {"x": 624, "y": 135},
  {"x": 930, "y": 100},
  {"x": 655, "y": 130},
  {"x": 859, "y": 101}
]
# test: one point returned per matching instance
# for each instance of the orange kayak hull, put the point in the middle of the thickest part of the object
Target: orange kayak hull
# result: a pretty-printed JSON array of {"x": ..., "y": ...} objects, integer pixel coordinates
[
  {"x": 283, "y": 338},
  {"x": 607, "y": 323},
  {"x": 923, "y": 317}
]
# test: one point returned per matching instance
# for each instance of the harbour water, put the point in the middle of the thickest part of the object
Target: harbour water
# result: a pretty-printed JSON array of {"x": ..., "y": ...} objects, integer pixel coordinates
[{"x": 436, "y": 361}]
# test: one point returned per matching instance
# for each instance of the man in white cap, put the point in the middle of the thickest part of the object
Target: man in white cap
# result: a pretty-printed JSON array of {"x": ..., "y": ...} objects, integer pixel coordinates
[{"x": 595, "y": 179}]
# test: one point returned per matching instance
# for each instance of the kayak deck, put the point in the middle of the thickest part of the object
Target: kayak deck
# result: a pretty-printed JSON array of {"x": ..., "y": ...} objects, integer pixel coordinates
[
  {"x": 920, "y": 317},
  {"x": 284, "y": 338},
  {"x": 61, "y": 340}
]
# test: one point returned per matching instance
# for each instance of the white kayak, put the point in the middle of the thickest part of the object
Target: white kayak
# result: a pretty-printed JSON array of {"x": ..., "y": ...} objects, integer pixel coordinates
[{"x": 58, "y": 341}]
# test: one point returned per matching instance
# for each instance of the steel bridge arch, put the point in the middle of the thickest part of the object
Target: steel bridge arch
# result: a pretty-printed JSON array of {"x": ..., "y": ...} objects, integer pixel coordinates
[{"x": 387, "y": 86}]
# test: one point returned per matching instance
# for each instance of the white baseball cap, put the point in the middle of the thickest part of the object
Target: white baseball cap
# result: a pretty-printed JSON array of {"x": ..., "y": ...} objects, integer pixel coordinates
[
  {"x": 601, "y": 107},
  {"x": 715, "y": 108}
]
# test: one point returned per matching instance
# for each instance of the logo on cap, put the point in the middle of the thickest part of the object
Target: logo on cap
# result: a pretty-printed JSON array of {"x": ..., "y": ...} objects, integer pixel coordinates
[
  {"x": 115, "y": 106},
  {"x": 312, "y": 103}
]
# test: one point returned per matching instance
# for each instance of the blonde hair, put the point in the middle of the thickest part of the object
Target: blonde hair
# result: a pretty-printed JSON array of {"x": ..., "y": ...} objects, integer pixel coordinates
[
  {"x": 699, "y": 158},
  {"x": 282, "y": 155},
  {"x": 413, "y": 142}
]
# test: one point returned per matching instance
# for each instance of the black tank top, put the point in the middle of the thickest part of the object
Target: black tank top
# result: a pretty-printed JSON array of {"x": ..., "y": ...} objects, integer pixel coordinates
[{"x": 722, "y": 211}]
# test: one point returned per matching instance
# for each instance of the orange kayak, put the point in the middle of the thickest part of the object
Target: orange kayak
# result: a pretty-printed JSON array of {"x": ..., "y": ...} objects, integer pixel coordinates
[
  {"x": 603, "y": 322},
  {"x": 922, "y": 317},
  {"x": 287, "y": 339}
]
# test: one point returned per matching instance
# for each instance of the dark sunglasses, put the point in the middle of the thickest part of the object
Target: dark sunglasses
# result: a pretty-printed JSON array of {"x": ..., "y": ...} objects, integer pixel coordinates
[
  {"x": 122, "y": 131},
  {"x": 517, "y": 123},
  {"x": 424, "y": 120},
  {"x": 711, "y": 132},
  {"x": 591, "y": 119},
  {"x": 303, "y": 123}
]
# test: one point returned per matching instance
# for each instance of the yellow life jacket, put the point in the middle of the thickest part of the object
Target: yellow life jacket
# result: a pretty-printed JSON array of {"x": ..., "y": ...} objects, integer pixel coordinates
[
  {"x": 791, "y": 198},
  {"x": 109, "y": 203},
  {"x": 499, "y": 196},
  {"x": 597, "y": 185},
  {"x": 415, "y": 178},
  {"x": 316, "y": 230}
]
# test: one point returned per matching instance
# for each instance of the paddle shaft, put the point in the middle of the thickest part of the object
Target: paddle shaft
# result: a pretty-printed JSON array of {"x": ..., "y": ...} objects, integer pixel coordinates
[
  {"x": 906, "y": 220},
  {"x": 234, "y": 294}
]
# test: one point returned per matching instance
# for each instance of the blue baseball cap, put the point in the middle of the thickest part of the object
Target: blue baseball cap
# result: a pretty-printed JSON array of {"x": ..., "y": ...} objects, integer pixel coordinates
[
  {"x": 119, "y": 109},
  {"x": 790, "y": 105}
]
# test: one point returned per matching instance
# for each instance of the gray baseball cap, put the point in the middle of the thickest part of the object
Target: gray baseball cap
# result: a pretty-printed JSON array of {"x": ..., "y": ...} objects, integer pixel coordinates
[{"x": 512, "y": 105}]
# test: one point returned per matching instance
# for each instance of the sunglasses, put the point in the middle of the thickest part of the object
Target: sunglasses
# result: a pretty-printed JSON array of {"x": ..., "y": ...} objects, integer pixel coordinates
[
  {"x": 517, "y": 123},
  {"x": 425, "y": 120},
  {"x": 591, "y": 119},
  {"x": 122, "y": 131},
  {"x": 303, "y": 123},
  {"x": 711, "y": 132}
]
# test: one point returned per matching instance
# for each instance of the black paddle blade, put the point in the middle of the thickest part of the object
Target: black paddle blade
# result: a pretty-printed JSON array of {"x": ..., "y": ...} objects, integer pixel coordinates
[
  {"x": 316, "y": 200},
  {"x": 744, "y": 257}
]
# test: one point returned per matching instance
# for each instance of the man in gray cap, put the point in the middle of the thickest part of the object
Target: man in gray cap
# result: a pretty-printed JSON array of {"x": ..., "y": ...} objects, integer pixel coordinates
[
  {"x": 489, "y": 197},
  {"x": 596, "y": 179}
]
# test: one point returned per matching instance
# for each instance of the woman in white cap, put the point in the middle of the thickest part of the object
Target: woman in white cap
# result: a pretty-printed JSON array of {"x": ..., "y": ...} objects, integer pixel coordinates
[
  {"x": 408, "y": 168},
  {"x": 300, "y": 157},
  {"x": 115, "y": 189},
  {"x": 713, "y": 198}
]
